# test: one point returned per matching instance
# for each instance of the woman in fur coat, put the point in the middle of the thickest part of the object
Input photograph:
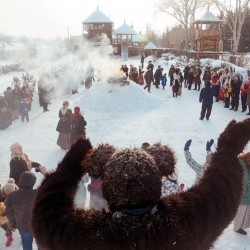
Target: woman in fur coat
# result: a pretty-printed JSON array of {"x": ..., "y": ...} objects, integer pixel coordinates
[
  {"x": 138, "y": 218},
  {"x": 9, "y": 187},
  {"x": 242, "y": 219},
  {"x": 64, "y": 127},
  {"x": 20, "y": 162}
]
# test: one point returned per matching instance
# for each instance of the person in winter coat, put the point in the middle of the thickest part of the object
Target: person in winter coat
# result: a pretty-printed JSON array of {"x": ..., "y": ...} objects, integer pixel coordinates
[
  {"x": 198, "y": 168},
  {"x": 80, "y": 197},
  {"x": 9, "y": 187},
  {"x": 243, "y": 95},
  {"x": 216, "y": 90},
  {"x": 176, "y": 85},
  {"x": 24, "y": 109},
  {"x": 206, "y": 75},
  {"x": 18, "y": 207},
  {"x": 138, "y": 217},
  {"x": 164, "y": 80},
  {"x": 135, "y": 75},
  {"x": 150, "y": 65},
  {"x": 180, "y": 83},
  {"x": 190, "y": 78},
  {"x": 20, "y": 162},
  {"x": 206, "y": 97},
  {"x": 15, "y": 103},
  {"x": 242, "y": 219},
  {"x": 148, "y": 78},
  {"x": 186, "y": 70},
  {"x": 236, "y": 85},
  {"x": 8, "y": 97},
  {"x": 5, "y": 115},
  {"x": 64, "y": 126},
  {"x": 77, "y": 125},
  {"x": 44, "y": 97},
  {"x": 171, "y": 74},
  {"x": 197, "y": 78},
  {"x": 227, "y": 95},
  {"x": 158, "y": 76},
  {"x": 248, "y": 101},
  {"x": 24, "y": 94},
  {"x": 142, "y": 60},
  {"x": 140, "y": 77}
]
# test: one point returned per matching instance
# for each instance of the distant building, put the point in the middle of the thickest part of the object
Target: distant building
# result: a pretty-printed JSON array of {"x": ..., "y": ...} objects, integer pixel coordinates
[{"x": 96, "y": 24}]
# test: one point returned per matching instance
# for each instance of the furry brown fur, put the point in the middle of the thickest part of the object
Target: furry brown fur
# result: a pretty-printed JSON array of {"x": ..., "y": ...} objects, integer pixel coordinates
[
  {"x": 3, "y": 218},
  {"x": 190, "y": 220}
]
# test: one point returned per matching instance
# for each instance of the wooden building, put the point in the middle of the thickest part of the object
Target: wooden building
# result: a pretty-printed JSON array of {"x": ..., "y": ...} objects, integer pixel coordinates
[
  {"x": 207, "y": 36},
  {"x": 96, "y": 24}
]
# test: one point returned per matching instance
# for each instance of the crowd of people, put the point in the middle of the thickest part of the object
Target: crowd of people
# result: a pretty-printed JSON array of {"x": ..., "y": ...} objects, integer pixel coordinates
[{"x": 18, "y": 194}]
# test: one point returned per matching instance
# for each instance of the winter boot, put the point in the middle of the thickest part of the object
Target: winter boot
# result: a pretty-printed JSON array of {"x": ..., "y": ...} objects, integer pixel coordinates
[
  {"x": 241, "y": 231},
  {"x": 9, "y": 240}
]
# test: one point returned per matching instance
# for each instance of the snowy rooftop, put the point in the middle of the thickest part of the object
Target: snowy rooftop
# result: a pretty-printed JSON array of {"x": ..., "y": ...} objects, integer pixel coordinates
[
  {"x": 208, "y": 17},
  {"x": 150, "y": 45},
  {"x": 139, "y": 38},
  {"x": 125, "y": 29},
  {"x": 97, "y": 17}
]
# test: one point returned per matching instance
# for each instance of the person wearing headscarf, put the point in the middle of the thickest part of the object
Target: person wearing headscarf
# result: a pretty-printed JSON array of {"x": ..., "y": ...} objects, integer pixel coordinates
[
  {"x": 77, "y": 125},
  {"x": 20, "y": 162},
  {"x": 242, "y": 219},
  {"x": 64, "y": 127}
]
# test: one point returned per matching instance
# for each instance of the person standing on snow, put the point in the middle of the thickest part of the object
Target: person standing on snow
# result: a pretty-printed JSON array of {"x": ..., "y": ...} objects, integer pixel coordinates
[
  {"x": 64, "y": 126},
  {"x": 24, "y": 109},
  {"x": 164, "y": 80},
  {"x": 198, "y": 168},
  {"x": 236, "y": 85},
  {"x": 148, "y": 78},
  {"x": 206, "y": 97},
  {"x": 171, "y": 74},
  {"x": 186, "y": 70},
  {"x": 142, "y": 60},
  {"x": 242, "y": 219},
  {"x": 158, "y": 76}
]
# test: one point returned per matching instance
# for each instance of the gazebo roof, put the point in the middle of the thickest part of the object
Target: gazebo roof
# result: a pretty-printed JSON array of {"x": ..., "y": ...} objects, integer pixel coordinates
[
  {"x": 97, "y": 17},
  {"x": 125, "y": 29},
  {"x": 208, "y": 17},
  {"x": 150, "y": 45}
]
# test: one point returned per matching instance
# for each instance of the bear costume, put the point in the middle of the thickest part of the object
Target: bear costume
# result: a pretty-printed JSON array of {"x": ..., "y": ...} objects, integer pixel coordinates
[{"x": 131, "y": 181}]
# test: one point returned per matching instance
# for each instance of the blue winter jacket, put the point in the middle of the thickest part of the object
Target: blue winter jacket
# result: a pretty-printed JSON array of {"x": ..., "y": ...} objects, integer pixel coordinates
[
  {"x": 206, "y": 94},
  {"x": 164, "y": 80},
  {"x": 24, "y": 107}
]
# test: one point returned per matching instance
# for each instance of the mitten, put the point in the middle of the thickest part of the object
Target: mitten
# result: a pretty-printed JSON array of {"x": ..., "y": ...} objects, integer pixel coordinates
[
  {"x": 209, "y": 144},
  {"x": 187, "y": 145}
]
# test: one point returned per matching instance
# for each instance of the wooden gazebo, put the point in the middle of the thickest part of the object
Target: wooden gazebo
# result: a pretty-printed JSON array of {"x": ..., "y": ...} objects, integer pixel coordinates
[
  {"x": 207, "y": 36},
  {"x": 98, "y": 23}
]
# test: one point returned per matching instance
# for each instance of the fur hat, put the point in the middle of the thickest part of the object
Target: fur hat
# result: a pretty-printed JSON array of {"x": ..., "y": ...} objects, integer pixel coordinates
[
  {"x": 9, "y": 187},
  {"x": 65, "y": 103}
]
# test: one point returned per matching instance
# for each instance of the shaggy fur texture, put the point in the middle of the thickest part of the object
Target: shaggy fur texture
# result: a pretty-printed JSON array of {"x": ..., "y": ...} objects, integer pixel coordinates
[
  {"x": 100, "y": 156},
  {"x": 190, "y": 220},
  {"x": 3, "y": 218}
]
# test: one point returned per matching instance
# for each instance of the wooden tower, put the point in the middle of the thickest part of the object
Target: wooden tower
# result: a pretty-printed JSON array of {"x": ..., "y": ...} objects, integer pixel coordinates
[
  {"x": 96, "y": 24},
  {"x": 207, "y": 36}
]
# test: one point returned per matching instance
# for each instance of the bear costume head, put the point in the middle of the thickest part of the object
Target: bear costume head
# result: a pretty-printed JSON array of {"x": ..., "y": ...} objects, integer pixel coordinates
[{"x": 131, "y": 183}]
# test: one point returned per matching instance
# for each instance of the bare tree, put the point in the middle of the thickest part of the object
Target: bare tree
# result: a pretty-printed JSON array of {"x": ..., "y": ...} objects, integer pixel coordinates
[
  {"x": 235, "y": 11},
  {"x": 182, "y": 10}
]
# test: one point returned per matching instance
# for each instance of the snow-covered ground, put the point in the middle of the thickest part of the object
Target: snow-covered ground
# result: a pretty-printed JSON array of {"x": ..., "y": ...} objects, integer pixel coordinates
[{"x": 125, "y": 117}]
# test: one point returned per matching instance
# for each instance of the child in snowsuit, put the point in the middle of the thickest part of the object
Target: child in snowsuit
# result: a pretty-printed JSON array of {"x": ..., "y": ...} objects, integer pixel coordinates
[
  {"x": 199, "y": 169},
  {"x": 227, "y": 96},
  {"x": 24, "y": 109},
  {"x": 164, "y": 80},
  {"x": 180, "y": 84}
]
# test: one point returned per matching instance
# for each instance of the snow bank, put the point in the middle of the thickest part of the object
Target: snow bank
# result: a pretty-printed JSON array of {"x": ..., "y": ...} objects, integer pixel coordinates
[{"x": 104, "y": 97}]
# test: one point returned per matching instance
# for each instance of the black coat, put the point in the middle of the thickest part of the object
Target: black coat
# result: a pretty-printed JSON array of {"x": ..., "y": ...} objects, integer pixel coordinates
[
  {"x": 77, "y": 128},
  {"x": 190, "y": 77},
  {"x": 236, "y": 85},
  {"x": 63, "y": 125},
  {"x": 18, "y": 166},
  {"x": 171, "y": 72},
  {"x": 206, "y": 95},
  {"x": 158, "y": 74},
  {"x": 186, "y": 70},
  {"x": 142, "y": 58}
]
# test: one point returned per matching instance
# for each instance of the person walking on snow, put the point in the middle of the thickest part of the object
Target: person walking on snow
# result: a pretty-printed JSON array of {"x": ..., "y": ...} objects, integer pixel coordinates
[
  {"x": 198, "y": 168},
  {"x": 148, "y": 78},
  {"x": 242, "y": 219},
  {"x": 158, "y": 76},
  {"x": 206, "y": 97},
  {"x": 24, "y": 109}
]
